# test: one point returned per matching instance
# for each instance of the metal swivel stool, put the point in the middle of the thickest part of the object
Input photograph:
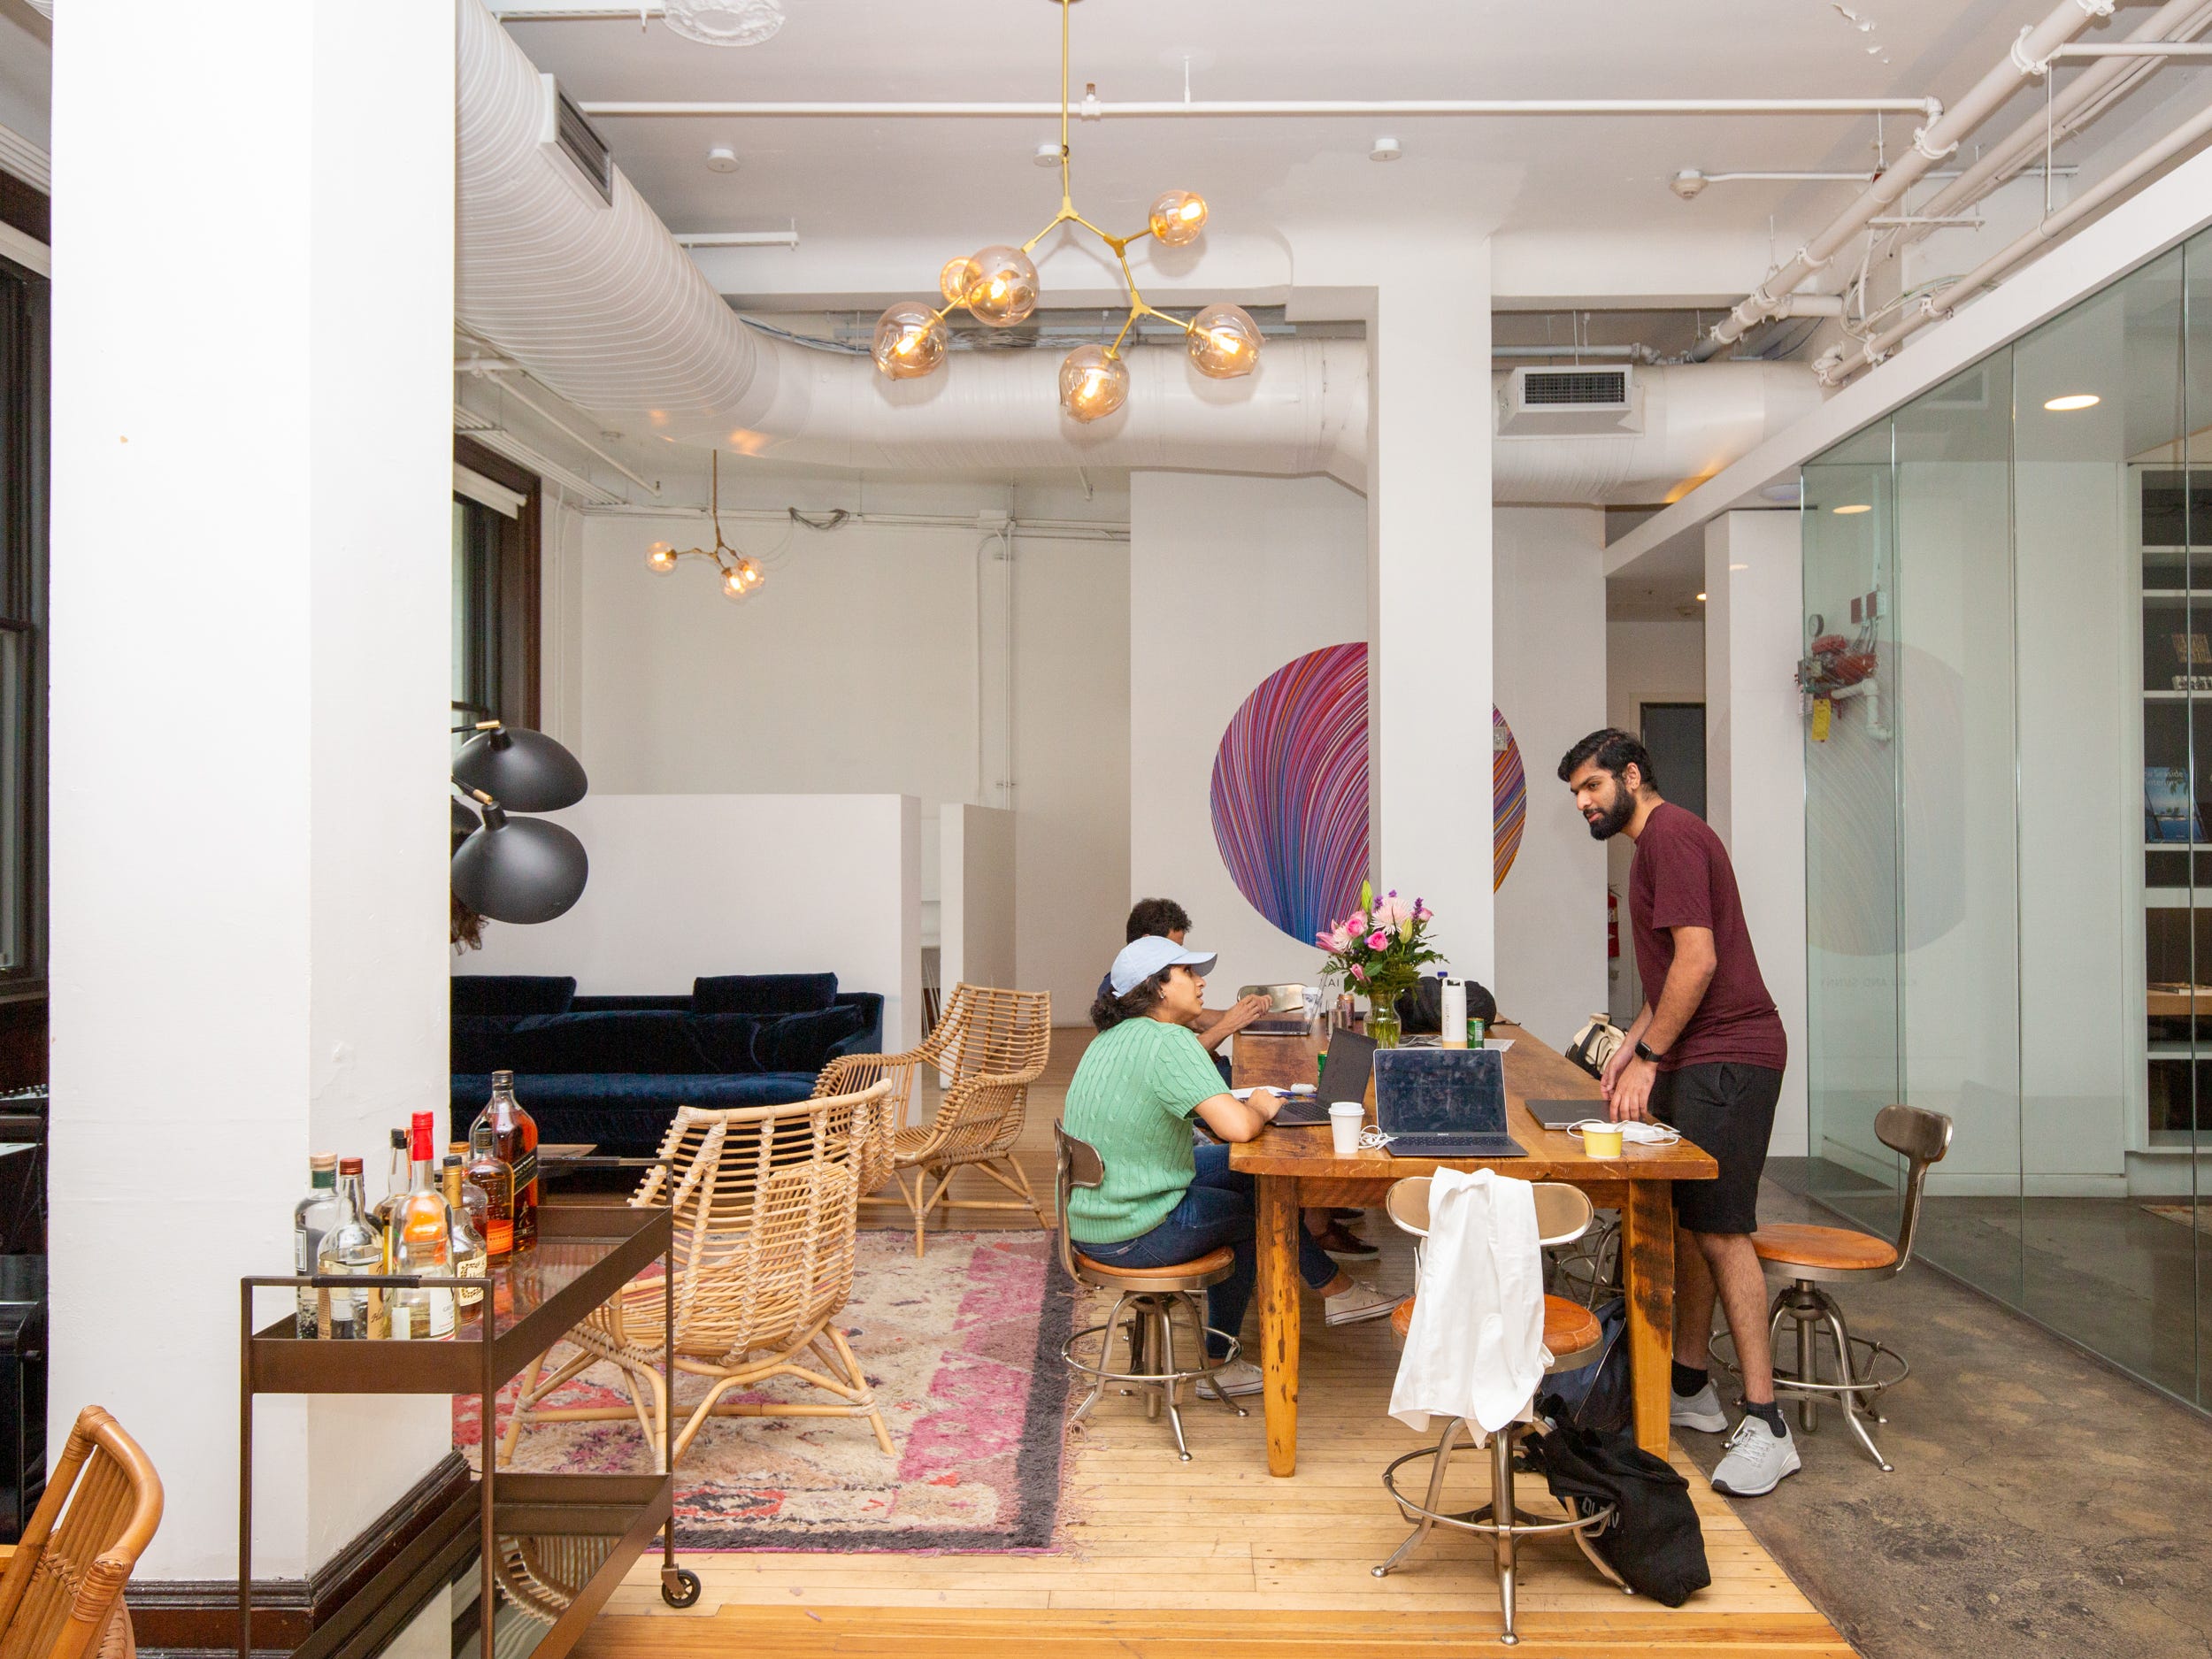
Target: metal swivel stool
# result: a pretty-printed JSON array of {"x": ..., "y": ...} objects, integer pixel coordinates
[
  {"x": 1149, "y": 1296},
  {"x": 1573, "y": 1337},
  {"x": 1810, "y": 1256}
]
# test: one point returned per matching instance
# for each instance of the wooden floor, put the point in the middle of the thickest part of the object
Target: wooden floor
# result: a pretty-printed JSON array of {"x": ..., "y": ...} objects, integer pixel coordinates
[{"x": 1164, "y": 1559}]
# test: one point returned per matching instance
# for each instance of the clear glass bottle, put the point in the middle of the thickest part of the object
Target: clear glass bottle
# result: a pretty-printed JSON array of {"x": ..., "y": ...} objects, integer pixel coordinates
[
  {"x": 466, "y": 1250},
  {"x": 420, "y": 1242},
  {"x": 514, "y": 1139},
  {"x": 490, "y": 1175},
  {"x": 353, "y": 1246},
  {"x": 312, "y": 1218},
  {"x": 395, "y": 1189}
]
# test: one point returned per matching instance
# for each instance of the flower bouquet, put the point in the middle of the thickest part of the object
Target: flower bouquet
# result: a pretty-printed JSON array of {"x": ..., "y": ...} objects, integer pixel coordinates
[{"x": 1380, "y": 949}]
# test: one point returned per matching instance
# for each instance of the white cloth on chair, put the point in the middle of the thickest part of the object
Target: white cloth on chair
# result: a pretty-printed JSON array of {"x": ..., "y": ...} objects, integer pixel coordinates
[{"x": 1476, "y": 1346}]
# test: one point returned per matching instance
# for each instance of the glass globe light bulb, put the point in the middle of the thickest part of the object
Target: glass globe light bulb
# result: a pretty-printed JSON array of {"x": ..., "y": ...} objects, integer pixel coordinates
[
  {"x": 1093, "y": 383},
  {"x": 660, "y": 558},
  {"x": 909, "y": 341},
  {"x": 1225, "y": 341},
  {"x": 748, "y": 573},
  {"x": 958, "y": 276},
  {"x": 1178, "y": 217},
  {"x": 734, "y": 581},
  {"x": 1004, "y": 289}
]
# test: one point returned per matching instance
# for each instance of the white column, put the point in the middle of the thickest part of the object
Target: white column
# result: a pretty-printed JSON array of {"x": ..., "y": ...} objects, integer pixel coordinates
[
  {"x": 252, "y": 569},
  {"x": 1755, "y": 761},
  {"x": 1429, "y": 436}
]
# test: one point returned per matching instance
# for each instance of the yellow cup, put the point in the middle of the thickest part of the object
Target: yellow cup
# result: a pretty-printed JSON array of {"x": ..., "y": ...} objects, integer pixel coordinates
[{"x": 1601, "y": 1140}]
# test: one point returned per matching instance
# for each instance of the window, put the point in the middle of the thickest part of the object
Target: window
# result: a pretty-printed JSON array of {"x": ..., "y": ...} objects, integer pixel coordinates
[
  {"x": 494, "y": 589},
  {"x": 23, "y": 408}
]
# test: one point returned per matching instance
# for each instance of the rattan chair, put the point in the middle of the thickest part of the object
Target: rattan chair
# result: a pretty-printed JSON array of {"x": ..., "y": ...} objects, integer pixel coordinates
[
  {"x": 989, "y": 1047},
  {"x": 1573, "y": 1337},
  {"x": 765, "y": 1200},
  {"x": 62, "y": 1594}
]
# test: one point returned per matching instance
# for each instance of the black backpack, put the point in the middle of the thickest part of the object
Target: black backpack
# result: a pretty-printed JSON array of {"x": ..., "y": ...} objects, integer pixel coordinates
[
  {"x": 1600, "y": 1395},
  {"x": 1654, "y": 1541},
  {"x": 1421, "y": 1010}
]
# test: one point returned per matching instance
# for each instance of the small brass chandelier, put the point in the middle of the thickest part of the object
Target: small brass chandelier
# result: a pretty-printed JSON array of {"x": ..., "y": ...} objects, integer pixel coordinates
[
  {"x": 999, "y": 286},
  {"x": 742, "y": 575}
]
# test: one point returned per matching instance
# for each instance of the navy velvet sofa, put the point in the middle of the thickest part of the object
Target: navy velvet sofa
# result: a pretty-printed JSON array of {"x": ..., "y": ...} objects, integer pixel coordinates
[{"x": 612, "y": 1070}]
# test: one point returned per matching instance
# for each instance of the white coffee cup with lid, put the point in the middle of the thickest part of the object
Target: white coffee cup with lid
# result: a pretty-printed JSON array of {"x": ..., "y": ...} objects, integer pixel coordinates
[{"x": 1346, "y": 1119}]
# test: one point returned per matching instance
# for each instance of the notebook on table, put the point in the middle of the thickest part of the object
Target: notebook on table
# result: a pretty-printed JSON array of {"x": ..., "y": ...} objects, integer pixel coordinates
[{"x": 1443, "y": 1103}]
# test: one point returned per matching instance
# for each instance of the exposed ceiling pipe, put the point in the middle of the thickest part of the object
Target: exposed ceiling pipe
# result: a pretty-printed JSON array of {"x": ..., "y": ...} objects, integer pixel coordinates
[
  {"x": 2072, "y": 106},
  {"x": 1838, "y": 364},
  {"x": 1097, "y": 109},
  {"x": 1932, "y": 145}
]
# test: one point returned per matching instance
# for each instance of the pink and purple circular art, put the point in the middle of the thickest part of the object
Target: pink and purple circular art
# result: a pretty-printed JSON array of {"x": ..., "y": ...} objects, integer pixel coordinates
[{"x": 1289, "y": 791}]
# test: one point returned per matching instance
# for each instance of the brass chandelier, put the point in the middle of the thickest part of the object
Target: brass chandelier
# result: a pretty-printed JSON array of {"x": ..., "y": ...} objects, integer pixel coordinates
[
  {"x": 741, "y": 574},
  {"x": 999, "y": 286}
]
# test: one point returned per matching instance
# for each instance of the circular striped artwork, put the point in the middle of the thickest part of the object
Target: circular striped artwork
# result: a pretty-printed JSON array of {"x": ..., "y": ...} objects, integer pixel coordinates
[{"x": 1289, "y": 791}]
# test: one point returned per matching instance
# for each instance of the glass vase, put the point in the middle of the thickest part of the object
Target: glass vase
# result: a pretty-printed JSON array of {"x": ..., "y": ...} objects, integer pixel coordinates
[{"x": 1382, "y": 1026}]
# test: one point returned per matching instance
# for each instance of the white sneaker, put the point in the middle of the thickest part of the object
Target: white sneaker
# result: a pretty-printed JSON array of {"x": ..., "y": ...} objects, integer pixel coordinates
[
  {"x": 1757, "y": 1461},
  {"x": 1700, "y": 1411},
  {"x": 1362, "y": 1301},
  {"x": 1240, "y": 1376}
]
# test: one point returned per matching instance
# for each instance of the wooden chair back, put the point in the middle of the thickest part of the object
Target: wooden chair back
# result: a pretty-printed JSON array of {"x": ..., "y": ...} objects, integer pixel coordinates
[
  {"x": 985, "y": 1031},
  {"x": 1564, "y": 1213},
  {"x": 1077, "y": 1163},
  {"x": 765, "y": 1207},
  {"x": 62, "y": 1589},
  {"x": 1924, "y": 1138}
]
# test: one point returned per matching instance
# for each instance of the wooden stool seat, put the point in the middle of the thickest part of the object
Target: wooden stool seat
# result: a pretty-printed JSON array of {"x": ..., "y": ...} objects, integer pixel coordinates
[
  {"x": 1837, "y": 1249},
  {"x": 1212, "y": 1264},
  {"x": 1568, "y": 1327}
]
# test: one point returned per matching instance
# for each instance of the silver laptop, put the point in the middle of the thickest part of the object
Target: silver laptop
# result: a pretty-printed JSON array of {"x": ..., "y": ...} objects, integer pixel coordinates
[{"x": 1443, "y": 1103}]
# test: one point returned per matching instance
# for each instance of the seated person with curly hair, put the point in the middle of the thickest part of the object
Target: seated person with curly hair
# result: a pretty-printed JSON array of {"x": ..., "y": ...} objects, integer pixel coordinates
[{"x": 1164, "y": 1200}]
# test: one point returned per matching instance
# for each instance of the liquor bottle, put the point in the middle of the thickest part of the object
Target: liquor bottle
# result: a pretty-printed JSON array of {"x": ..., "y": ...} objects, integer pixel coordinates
[
  {"x": 514, "y": 1141},
  {"x": 488, "y": 1174},
  {"x": 466, "y": 1245},
  {"x": 421, "y": 1244},
  {"x": 477, "y": 1201},
  {"x": 312, "y": 1218},
  {"x": 395, "y": 1190},
  {"x": 353, "y": 1245}
]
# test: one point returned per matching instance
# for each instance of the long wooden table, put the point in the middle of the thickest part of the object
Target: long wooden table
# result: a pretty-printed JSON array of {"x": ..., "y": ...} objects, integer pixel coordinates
[{"x": 1299, "y": 1167}]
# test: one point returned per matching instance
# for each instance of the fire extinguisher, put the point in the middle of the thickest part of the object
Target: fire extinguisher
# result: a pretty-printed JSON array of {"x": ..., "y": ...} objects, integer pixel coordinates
[{"x": 1612, "y": 925}]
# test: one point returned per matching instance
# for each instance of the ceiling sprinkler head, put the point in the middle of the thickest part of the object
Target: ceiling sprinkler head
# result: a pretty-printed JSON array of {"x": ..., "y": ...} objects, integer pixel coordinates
[
  {"x": 1687, "y": 183},
  {"x": 1047, "y": 154},
  {"x": 1386, "y": 149}
]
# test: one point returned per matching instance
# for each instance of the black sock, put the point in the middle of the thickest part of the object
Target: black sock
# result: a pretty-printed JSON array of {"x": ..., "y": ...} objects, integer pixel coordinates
[
  {"x": 1769, "y": 1413},
  {"x": 1687, "y": 1382}
]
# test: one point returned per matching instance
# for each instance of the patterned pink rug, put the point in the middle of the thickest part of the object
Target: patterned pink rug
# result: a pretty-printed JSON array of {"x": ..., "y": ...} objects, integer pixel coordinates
[{"x": 963, "y": 1349}]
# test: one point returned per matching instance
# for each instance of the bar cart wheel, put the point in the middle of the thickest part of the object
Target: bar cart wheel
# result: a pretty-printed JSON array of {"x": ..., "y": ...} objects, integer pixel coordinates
[{"x": 679, "y": 1587}]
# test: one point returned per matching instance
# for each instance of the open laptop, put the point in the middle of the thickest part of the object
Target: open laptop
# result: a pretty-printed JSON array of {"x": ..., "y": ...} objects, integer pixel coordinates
[
  {"x": 1443, "y": 1103},
  {"x": 1351, "y": 1058},
  {"x": 1286, "y": 1013}
]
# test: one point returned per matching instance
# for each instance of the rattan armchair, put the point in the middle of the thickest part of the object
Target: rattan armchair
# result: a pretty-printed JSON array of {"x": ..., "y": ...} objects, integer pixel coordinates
[
  {"x": 765, "y": 1219},
  {"x": 989, "y": 1047},
  {"x": 62, "y": 1594}
]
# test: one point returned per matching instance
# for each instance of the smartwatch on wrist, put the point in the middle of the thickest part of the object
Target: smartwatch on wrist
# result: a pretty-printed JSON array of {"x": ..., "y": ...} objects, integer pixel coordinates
[{"x": 1644, "y": 1052}]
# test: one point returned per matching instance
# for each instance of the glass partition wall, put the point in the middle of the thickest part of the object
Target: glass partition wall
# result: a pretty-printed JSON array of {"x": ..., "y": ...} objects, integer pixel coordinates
[{"x": 2008, "y": 601}]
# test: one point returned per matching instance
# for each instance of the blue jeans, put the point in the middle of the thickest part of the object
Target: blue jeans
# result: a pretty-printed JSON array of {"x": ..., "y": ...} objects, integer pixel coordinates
[{"x": 1216, "y": 1209}]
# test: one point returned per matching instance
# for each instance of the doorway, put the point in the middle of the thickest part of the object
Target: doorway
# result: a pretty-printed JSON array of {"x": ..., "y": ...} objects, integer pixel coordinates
[{"x": 1675, "y": 734}]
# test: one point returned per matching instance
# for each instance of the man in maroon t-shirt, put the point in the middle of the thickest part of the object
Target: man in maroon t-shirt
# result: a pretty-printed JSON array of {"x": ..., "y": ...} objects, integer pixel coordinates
[{"x": 1705, "y": 1056}]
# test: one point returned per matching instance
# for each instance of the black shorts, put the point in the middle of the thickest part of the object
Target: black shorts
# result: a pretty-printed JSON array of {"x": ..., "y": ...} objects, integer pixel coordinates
[{"x": 1727, "y": 1109}]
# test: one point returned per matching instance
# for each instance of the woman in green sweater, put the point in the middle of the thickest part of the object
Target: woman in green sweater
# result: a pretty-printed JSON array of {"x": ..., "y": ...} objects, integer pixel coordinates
[{"x": 1140, "y": 1082}]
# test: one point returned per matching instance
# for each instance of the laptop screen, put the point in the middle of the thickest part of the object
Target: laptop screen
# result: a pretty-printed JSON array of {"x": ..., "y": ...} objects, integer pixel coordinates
[{"x": 1440, "y": 1091}]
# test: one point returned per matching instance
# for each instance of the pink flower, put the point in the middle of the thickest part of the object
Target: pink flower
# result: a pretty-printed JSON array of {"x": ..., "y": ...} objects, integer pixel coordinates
[
  {"x": 1336, "y": 940},
  {"x": 1358, "y": 973},
  {"x": 1422, "y": 913},
  {"x": 1389, "y": 912},
  {"x": 1379, "y": 940}
]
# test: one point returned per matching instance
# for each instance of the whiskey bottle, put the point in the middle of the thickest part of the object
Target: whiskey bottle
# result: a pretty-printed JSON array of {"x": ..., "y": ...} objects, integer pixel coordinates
[
  {"x": 394, "y": 1191},
  {"x": 465, "y": 1245},
  {"x": 310, "y": 1218},
  {"x": 352, "y": 1245},
  {"x": 496, "y": 1180},
  {"x": 421, "y": 1243},
  {"x": 513, "y": 1135}
]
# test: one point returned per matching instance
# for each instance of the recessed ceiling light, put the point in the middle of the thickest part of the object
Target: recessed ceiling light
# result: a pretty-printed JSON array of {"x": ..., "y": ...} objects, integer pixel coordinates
[
  {"x": 1856, "y": 506},
  {"x": 1385, "y": 148},
  {"x": 721, "y": 158},
  {"x": 1739, "y": 567},
  {"x": 2071, "y": 402},
  {"x": 1700, "y": 599}
]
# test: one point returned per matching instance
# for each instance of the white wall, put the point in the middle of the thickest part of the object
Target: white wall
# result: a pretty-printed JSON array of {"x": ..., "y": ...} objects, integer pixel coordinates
[
  {"x": 976, "y": 859},
  {"x": 1548, "y": 584},
  {"x": 874, "y": 660},
  {"x": 1644, "y": 661},
  {"x": 689, "y": 885},
  {"x": 1229, "y": 578}
]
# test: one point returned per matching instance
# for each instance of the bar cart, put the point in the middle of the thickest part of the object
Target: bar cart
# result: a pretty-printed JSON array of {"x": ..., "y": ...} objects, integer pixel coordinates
[{"x": 548, "y": 1549}]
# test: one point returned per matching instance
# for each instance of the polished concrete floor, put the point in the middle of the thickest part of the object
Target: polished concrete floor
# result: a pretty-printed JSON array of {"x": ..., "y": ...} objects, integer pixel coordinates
[{"x": 2042, "y": 1502}]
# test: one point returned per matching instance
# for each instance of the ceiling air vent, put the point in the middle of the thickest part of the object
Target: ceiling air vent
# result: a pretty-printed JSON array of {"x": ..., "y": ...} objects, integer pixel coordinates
[
  {"x": 575, "y": 147},
  {"x": 1553, "y": 403}
]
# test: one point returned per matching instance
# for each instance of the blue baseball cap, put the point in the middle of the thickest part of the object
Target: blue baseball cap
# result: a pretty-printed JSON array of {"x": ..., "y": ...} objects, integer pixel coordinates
[{"x": 1142, "y": 958}]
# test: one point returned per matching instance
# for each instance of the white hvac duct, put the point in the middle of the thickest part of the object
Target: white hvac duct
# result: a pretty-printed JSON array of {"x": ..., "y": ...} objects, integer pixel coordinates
[{"x": 596, "y": 299}]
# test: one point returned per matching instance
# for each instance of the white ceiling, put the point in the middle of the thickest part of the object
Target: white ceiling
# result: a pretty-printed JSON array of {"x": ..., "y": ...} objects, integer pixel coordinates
[{"x": 956, "y": 181}]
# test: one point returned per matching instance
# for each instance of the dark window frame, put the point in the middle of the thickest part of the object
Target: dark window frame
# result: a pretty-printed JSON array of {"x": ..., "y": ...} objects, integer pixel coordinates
[
  {"x": 24, "y": 414},
  {"x": 506, "y": 591}
]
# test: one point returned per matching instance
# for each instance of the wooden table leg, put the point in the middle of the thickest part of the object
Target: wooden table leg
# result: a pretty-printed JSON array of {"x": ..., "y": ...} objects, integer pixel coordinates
[
  {"x": 1278, "y": 1229},
  {"x": 1648, "y": 1254}
]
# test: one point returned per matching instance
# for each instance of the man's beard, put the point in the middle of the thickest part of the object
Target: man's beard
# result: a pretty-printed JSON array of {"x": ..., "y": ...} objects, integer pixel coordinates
[{"x": 1616, "y": 817}]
